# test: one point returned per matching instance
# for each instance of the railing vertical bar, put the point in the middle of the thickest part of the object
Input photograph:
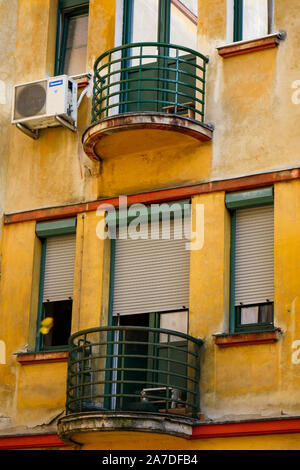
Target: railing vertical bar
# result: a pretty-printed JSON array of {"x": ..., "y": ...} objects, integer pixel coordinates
[
  {"x": 168, "y": 376},
  {"x": 108, "y": 84},
  {"x": 203, "y": 95},
  {"x": 140, "y": 81},
  {"x": 122, "y": 369},
  {"x": 197, "y": 384},
  {"x": 115, "y": 372},
  {"x": 176, "y": 85}
]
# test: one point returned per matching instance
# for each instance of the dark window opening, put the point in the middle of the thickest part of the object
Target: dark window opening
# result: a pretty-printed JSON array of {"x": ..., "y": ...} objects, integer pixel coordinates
[
  {"x": 61, "y": 312},
  {"x": 254, "y": 316},
  {"x": 71, "y": 41}
]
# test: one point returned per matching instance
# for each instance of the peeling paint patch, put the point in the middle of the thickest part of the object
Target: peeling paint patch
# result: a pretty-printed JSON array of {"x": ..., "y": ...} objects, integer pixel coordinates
[
  {"x": 2, "y": 353},
  {"x": 296, "y": 353},
  {"x": 2, "y": 92}
]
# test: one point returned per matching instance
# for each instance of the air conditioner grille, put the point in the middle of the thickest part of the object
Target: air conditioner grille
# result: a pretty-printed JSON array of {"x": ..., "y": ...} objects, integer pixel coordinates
[{"x": 30, "y": 100}]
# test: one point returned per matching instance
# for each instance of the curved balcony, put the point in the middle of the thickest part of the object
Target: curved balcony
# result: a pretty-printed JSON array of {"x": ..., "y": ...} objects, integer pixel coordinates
[
  {"x": 153, "y": 86},
  {"x": 125, "y": 377}
]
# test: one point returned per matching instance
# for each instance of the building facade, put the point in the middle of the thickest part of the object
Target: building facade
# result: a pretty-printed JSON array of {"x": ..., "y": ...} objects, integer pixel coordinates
[{"x": 185, "y": 111}]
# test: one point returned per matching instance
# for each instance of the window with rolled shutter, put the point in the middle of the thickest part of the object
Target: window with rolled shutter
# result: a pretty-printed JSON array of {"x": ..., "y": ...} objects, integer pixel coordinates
[
  {"x": 59, "y": 268},
  {"x": 151, "y": 275},
  {"x": 57, "y": 289},
  {"x": 254, "y": 264}
]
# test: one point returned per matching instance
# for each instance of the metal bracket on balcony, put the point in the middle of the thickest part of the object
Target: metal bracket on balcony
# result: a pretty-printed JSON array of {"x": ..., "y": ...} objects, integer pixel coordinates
[{"x": 34, "y": 134}]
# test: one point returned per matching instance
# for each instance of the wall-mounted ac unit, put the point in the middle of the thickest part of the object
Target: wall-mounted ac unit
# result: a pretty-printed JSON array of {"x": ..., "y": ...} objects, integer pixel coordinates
[{"x": 45, "y": 103}]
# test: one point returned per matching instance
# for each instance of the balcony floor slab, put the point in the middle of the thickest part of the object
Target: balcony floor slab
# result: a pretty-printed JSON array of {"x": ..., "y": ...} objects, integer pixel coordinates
[
  {"x": 78, "y": 427},
  {"x": 139, "y": 132}
]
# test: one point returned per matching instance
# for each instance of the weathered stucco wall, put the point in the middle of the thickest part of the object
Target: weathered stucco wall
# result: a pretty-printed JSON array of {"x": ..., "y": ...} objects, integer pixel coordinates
[
  {"x": 8, "y": 21},
  {"x": 256, "y": 130},
  {"x": 249, "y": 97},
  {"x": 240, "y": 382},
  {"x": 245, "y": 94},
  {"x": 54, "y": 169}
]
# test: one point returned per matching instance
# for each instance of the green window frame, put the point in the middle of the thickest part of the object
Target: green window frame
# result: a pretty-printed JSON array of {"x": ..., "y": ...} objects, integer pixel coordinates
[
  {"x": 66, "y": 10},
  {"x": 43, "y": 231},
  {"x": 238, "y": 19},
  {"x": 234, "y": 202},
  {"x": 164, "y": 18}
]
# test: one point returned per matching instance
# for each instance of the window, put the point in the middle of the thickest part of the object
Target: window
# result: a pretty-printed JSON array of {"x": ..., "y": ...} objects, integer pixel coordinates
[
  {"x": 150, "y": 288},
  {"x": 154, "y": 285},
  {"x": 163, "y": 21},
  {"x": 252, "y": 260},
  {"x": 56, "y": 283},
  {"x": 252, "y": 19},
  {"x": 160, "y": 20},
  {"x": 72, "y": 34}
]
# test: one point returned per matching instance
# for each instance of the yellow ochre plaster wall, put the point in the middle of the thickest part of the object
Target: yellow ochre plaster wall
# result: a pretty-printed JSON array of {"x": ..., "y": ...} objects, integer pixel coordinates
[{"x": 249, "y": 101}]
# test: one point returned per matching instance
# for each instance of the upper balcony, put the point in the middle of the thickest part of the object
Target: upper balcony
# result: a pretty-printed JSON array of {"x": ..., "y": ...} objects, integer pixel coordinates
[
  {"x": 131, "y": 378},
  {"x": 153, "y": 92}
]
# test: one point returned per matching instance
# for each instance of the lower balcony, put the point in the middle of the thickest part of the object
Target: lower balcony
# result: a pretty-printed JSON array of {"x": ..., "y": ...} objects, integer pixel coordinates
[
  {"x": 131, "y": 379},
  {"x": 147, "y": 96}
]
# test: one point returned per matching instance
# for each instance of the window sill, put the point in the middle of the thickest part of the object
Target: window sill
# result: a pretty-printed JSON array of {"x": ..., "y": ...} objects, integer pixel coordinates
[
  {"x": 42, "y": 357},
  {"x": 82, "y": 79},
  {"x": 246, "y": 339},
  {"x": 252, "y": 45},
  {"x": 83, "y": 82}
]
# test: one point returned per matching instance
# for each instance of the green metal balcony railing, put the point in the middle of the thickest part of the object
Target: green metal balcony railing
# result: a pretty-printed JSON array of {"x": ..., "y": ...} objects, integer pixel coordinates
[
  {"x": 151, "y": 76},
  {"x": 133, "y": 368}
]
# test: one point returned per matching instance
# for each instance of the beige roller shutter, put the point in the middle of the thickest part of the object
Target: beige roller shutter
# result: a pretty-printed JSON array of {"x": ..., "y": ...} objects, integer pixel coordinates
[
  {"x": 254, "y": 255},
  {"x": 59, "y": 268},
  {"x": 151, "y": 275}
]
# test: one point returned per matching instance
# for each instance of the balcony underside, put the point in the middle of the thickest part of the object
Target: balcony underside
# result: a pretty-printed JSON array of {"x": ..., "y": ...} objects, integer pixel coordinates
[
  {"x": 84, "y": 428},
  {"x": 140, "y": 132}
]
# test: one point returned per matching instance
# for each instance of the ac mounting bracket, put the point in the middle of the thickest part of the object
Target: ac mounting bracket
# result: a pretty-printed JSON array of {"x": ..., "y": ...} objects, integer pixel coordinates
[
  {"x": 34, "y": 134},
  {"x": 65, "y": 123}
]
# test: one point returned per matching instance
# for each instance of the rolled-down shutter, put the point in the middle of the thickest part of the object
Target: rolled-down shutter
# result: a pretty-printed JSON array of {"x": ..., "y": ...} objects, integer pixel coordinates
[
  {"x": 151, "y": 275},
  {"x": 254, "y": 255},
  {"x": 59, "y": 268}
]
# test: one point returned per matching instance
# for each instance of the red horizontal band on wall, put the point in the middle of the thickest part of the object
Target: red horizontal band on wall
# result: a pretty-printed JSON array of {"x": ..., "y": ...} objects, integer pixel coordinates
[
  {"x": 165, "y": 195},
  {"x": 31, "y": 442},
  {"x": 249, "y": 428}
]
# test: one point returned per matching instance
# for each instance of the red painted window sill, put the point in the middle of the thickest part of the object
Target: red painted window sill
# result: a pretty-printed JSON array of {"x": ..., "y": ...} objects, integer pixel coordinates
[
  {"x": 42, "y": 357},
  {"x": 253, "y": 45},
  {"x": 245, "y": 339}
]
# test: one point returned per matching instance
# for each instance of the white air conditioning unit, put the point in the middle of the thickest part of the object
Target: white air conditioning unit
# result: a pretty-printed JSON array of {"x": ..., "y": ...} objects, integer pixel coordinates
[{"x": 45, "y": 103}]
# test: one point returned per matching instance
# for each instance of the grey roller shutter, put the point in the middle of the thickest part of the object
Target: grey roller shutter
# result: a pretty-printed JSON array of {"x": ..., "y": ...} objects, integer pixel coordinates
[
  {"x": 59, "y": 268},
  {"x": 254, "y": 255},
  {"x": 151, "y": 275}
]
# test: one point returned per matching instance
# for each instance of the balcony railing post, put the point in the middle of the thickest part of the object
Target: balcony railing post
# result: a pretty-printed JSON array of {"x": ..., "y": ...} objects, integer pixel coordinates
[
  {"x": 115, "y": 370},
  {"x": 176, "y": 80},
  {"x": 122, "y": 339},
  {"x": 140, "y": 78}
]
